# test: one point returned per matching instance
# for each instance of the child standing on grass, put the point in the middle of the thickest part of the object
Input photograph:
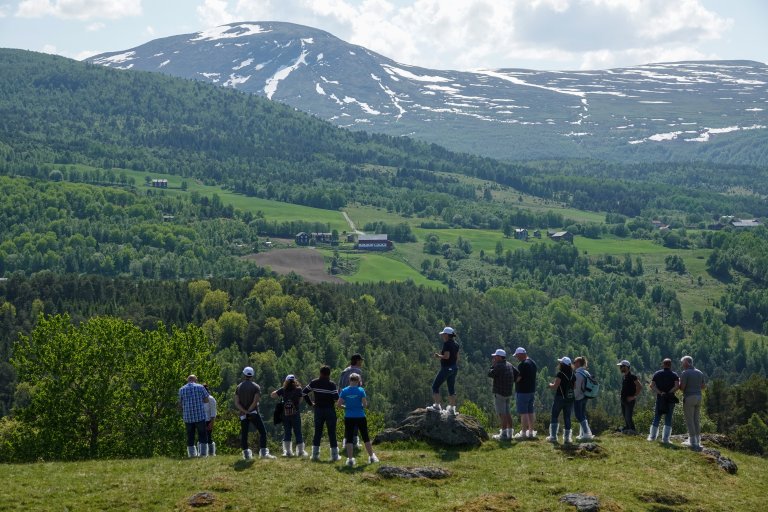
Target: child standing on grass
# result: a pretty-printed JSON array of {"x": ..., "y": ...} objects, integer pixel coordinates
[{"x": 354, "y": 401}]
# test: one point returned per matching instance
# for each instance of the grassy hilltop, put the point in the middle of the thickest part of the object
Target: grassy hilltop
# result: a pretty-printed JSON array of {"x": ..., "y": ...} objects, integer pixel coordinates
[{"x": 631, "y": 475}]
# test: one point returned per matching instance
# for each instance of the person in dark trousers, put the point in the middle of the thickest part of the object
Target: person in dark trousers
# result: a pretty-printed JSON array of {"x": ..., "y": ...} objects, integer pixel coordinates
[
  {"x": 192, "y": 400},
  {"x": 449, "y": 366},
  {"x": 355, "y": 366},
  {"x": 630, "y": 389},
  {"x": 291, "y": 394},
  {"x": 353, "y": 399},
  {"x": 564, "y": 398},
  {"x": 663, "y": 384},
  {"x": 247, "y": 398},
  {"x": 326, "y": 394},
  {"x": 504, "y": 375}
]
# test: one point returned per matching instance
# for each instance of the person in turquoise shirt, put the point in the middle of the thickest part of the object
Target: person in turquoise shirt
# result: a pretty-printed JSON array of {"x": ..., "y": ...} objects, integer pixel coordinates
[{"x": 353, "y": 399}]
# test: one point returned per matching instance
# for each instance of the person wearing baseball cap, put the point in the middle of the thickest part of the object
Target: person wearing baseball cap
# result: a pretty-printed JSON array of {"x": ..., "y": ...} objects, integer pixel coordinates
[
  {"x": 247, "y": 397},
  {"x": 504, "y": 375},
  {"x": 564, "y": 398},
  {"x": 291, "y": 394},
  {"x": 449, "y": 361},
  {"x": 525, "y": 389},
  {"x": 630, "y": 389}
]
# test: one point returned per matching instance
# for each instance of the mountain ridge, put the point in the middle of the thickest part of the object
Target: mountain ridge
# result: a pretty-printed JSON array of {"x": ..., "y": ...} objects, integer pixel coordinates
[{"x": 679, "y": 111}]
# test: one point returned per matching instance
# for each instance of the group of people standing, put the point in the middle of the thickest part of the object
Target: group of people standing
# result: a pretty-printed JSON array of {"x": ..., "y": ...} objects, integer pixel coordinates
[{"x": 321, "y": 394}]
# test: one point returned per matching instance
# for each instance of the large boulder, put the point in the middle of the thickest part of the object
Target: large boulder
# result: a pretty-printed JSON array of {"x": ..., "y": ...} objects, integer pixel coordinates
[{"x": 439, "y": 427}]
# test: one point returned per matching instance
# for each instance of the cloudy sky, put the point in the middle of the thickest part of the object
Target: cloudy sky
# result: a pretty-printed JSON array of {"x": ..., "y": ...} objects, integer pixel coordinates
[{"x": 442, "y": 34}]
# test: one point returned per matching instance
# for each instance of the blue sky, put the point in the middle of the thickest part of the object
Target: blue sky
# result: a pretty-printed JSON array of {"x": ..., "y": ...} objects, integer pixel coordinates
[{"x": 442, "y": 34}]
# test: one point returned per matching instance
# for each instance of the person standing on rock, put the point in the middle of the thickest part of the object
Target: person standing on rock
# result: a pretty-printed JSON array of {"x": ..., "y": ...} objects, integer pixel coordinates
[
  {"x": 325, "y": 394},
  {"x": 564, "y": 397},
  {"x": 580, "y": 400},
  {"x": 247, "y": 398},
  {"x": 524, "y": 397},
  {"x": 354, "y": 401},
  {"x": 192, "y": 400},
  {"x": 355, "y": 366},
  {"x": 449, "y": 366},
  {"x": 291, "y": 394},
  {"x": 504, "y": 375},
  {"x": 630, "y": 389},
  {"x": 692, "y": 382},
  {"x": 663, "y": 384}
]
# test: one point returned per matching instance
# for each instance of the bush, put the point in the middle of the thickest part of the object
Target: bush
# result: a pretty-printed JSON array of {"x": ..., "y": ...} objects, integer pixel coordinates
[
  {"x": 752, "y": 437},
  {"x": 470, "y": 408}
]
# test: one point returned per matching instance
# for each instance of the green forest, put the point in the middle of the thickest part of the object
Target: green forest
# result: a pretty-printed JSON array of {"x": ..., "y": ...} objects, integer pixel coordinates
[{"x": 111, "y": 291}]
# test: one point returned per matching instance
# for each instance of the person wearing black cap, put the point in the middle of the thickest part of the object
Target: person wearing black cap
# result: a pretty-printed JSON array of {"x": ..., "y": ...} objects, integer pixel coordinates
[
  {"x": 355, "y": 366},
  {"x": 630, "y": 389}
]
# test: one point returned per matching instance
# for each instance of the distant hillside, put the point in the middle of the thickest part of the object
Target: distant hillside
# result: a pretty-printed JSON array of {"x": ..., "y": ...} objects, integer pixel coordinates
[{"x": 706, "y": 111}]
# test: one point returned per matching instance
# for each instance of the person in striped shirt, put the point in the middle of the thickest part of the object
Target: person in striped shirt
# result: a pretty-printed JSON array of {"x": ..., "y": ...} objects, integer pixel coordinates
[{"x": 325, "y": 394}]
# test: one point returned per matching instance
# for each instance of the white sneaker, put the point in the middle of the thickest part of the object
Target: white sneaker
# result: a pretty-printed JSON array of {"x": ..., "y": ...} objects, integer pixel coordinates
[
  {"x": 373, "y": 459},
  {"x": 452, "y": 410},
  {"x": 520, "y": 435},
  {"x": 350, "y": 463},
  {"x": 435, "y": 408},
  {"x": 247, "y": 454},
  {"x": 499, "y": 436},
  {"x": 532, "y": 434}
]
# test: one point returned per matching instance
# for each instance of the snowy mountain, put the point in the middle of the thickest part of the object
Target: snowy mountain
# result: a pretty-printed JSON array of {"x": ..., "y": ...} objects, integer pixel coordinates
[{"x": 713, "y": 110}]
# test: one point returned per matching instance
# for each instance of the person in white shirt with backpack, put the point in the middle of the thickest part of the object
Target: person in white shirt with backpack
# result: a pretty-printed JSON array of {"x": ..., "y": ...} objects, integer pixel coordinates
[{"x": 580, "y": 403}]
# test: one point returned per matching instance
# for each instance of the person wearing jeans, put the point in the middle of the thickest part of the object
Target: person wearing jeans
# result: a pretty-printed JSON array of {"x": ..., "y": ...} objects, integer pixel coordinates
[
  {"x": 580, "y": 400},
  {"x": 663, "y": 384},
  {"x": 192, "y": 400},
  {"x": 564, "y": 397},
  {"x": 449, "y": 361}
]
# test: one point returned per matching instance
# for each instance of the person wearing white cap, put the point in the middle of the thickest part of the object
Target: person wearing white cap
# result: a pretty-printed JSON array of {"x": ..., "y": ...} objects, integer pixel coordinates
[
  {"x": 291, "y": 394},
  {"x": 449, "y": 361},
  {"x": 564, "y": 398},
  {"x": 525, "y": 388},
  {"x": 580, "y": 403},
  {"x": 247, "y": 398},
  {"x": 504, "y": 375},
  {"x": 630, "y": 388}
]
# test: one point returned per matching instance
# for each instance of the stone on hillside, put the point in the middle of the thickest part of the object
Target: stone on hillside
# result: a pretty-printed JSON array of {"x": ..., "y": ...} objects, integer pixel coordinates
[
  {"x": 396, "y": 472},
  {"x": 448, "y": 429},
  {"x": 726, "y": 464},
  {"x": 201, "y": 499},
  {"x": 582, "y": 502}
]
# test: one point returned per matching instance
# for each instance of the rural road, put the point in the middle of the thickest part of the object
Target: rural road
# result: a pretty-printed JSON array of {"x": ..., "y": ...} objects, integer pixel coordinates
[{"x": 351, "y": 224}]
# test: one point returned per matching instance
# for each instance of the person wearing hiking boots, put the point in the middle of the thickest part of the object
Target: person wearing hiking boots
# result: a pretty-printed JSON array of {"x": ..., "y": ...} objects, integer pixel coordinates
[
  {"x": 525, "y": 387},
  {"x": 692, "y": 382},
  {"x": 192, "y": 400},
  {"x": 663, "y": 384},
  {"x": 291, "y": 395},
  {"x": 449, "y": 366},
  {"x": 355, "y": 366},
  {"x": 325, "y": 394},
  {"x": 564, "y": 398},
  {"x": 354, "y": 401},
  {"x": 630, "y": 389},
  {"x": 580, "y": 399},
  {"x": 503, "y": 374},
  {"x": 247, "y": 398}
]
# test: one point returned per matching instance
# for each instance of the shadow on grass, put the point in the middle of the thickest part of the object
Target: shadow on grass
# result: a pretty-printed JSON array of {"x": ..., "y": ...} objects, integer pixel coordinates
[{"x": 242, "y": 465}]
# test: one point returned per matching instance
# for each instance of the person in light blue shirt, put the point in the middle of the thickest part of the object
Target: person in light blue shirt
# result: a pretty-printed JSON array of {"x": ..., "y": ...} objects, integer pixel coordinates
[{"x": 354, "y": 401}]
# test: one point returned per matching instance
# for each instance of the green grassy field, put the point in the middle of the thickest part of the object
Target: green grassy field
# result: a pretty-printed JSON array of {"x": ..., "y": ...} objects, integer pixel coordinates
[
  {"x": 630, "y": 475},
  {"x": 375, "y": 267}
]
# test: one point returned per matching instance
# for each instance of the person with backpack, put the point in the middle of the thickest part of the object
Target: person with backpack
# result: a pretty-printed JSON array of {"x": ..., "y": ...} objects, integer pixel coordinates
[
  {"x": 291, "y": 394},
  {"x": 504, "y": 375},
  {"x": 663, "y": 384},
  {"x": 582, "y": 377},
  {"x": 564, "y": 398}
]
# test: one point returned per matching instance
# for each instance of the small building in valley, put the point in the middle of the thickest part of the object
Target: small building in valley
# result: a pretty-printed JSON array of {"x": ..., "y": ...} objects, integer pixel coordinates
[
  {"x": 373, "y": 242},
  {"x": 302, "y": 238},
  {"x": 745, "y": 223},
  {"x": 521, "y": 234},
  {"x": 562, "y": 236},
  {"x": 160, "y": 183}
]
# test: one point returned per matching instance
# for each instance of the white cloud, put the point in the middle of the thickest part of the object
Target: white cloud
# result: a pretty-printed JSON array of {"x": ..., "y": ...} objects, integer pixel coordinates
[
  {"x": 79, "y": 9},
  {"x": 95, "y": 27},
  {"x": 150, "y": 31},
  {"x": 488, "y": 33}
]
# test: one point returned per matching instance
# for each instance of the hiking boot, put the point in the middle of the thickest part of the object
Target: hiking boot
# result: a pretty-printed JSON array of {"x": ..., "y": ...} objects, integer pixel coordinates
[
  {"x": 264, "y": 454},
  {"x": 335, "y": 455},
  {"x": 247, "y": 454}
]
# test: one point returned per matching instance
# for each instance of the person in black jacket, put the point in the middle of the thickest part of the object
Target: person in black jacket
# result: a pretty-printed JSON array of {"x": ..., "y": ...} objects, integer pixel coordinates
[{"x": 325, "y": 394}]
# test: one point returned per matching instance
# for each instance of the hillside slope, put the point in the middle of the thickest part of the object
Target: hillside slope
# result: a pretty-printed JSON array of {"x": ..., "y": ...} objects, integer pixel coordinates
[
  {"x": 704, "y": 110},
  {"x": 631, "y": 475}
]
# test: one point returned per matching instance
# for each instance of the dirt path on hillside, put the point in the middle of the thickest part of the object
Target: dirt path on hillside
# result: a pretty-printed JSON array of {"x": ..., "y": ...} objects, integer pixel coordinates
[{"x": 308, "y": 263}]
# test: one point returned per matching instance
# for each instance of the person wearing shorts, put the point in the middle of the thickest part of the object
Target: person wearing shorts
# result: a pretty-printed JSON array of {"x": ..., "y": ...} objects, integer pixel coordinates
[
  {"x": 526, "y": 388},
  {"x": 504, "y": 375}
]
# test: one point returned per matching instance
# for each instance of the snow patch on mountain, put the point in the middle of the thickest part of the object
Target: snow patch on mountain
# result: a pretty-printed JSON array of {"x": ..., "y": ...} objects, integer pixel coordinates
[
  {"x": 116, "y": 59},
  {"x": 246, "y": 62},
  {"x": 392, "y": 70},
  {"x": 271, "y": 85},
  {"x": 229, "y": 32}
]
